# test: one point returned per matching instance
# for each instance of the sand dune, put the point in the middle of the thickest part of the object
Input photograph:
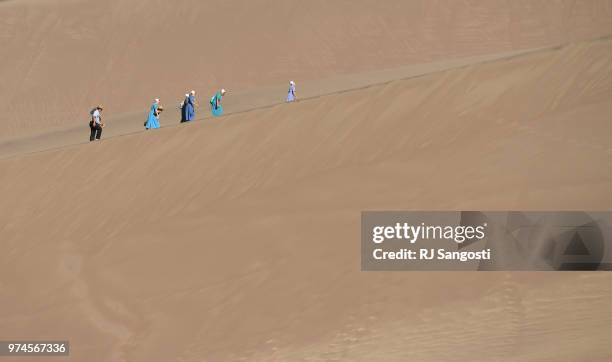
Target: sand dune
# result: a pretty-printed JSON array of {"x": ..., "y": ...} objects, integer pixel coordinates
[
  {"x": 242, "y": 101},
  {"x": 58, "y": 58},
  {"x": 239, "y": 238}
]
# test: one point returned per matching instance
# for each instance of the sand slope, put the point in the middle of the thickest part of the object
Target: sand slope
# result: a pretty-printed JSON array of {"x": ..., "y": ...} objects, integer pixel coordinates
[
  {"x": 58, "y": 58},
  {"x": 240, "y": 238},
  {"x": 242, "y": 101}
]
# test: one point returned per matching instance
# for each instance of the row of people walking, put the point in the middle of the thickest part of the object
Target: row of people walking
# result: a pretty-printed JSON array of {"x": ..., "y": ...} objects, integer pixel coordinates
[{"x": 187, "y": 108}]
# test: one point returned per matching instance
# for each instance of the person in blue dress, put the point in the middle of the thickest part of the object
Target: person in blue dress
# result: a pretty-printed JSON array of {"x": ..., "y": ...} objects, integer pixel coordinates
[
  {"x": 183, "y": 107},
  {"x": 291, "y": 94},
  {"x": 215, "y": 103},
  {"x": 189, "y": 107},
  {"x": 153, "y": 120}
]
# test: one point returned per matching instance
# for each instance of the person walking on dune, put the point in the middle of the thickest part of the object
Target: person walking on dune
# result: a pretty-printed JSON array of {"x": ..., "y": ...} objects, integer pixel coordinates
[
  {"x": 96, "y": 125},
  {"x": 291, "y": 94},
  {"x": 215, "y": 103},
  {"x": 189, "y": 107},
  {"x": 183, "y": 107},
  {"x": 153, "y": 119}
]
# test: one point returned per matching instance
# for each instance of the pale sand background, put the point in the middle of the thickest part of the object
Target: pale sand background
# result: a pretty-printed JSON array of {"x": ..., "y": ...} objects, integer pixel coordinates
[
  {"x": 239, "y": 238},
  {"x": 58, "y": 58}
]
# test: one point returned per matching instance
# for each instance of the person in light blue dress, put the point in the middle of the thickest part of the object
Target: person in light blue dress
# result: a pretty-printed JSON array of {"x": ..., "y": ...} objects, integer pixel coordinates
[
  {"x": 153, "y": 120},
  {"x": 215, "y": 103},
  {"x": 291, "y": 94},
  {"x": 189, "y": 107}
]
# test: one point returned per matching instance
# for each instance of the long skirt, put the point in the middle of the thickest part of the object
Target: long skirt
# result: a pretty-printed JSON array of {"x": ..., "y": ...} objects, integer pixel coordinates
[
  {"x": 218, "y": 111},
  {"x": 152, "y": 121}
]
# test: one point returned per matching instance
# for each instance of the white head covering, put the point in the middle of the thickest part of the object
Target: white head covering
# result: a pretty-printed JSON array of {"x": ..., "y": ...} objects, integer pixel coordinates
[
  {"x": 156, "y": 100},
  {"x": 222, "y": 91},
  {"x": 186, "y": 95},
  {"x": 292, "y": 82},
  {"x": 193, "y": 92}
]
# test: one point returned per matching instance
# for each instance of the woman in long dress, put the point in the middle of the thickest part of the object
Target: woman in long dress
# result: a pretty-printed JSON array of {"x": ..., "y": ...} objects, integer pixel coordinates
[
  {"x": 215, "y": 103},
  {"x": 291, "y": 94},
  {"x": 183, "y": 107},
  {"x": 190, "y": 107},
  {"x": 153, "y": 120}
]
